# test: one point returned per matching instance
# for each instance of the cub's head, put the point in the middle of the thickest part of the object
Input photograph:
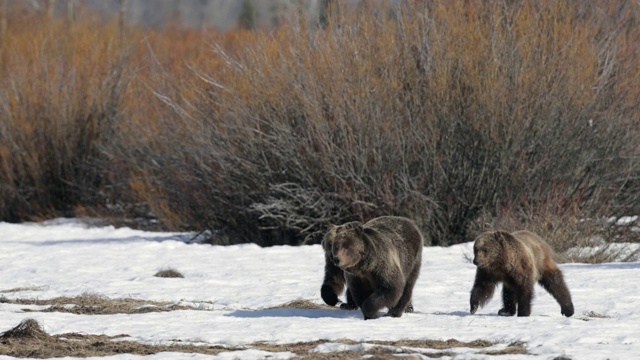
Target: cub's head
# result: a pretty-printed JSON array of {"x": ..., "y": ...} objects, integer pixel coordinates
[
  {"x": 488, "y": 249},
  {"x": 347, "y": 247}
]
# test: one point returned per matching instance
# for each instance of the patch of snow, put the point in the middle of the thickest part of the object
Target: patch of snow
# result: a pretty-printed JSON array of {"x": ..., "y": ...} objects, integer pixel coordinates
[{"x": 234, "y": 287}]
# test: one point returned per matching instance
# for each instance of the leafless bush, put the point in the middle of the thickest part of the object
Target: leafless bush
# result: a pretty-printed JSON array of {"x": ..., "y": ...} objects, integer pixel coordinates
[{"x": 422, "y": 112}]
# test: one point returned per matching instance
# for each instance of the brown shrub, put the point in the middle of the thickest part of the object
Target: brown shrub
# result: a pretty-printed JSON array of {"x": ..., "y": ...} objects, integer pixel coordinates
[
  {"x": 436, "y": 112},
  {"x": 445, "y": 113}
]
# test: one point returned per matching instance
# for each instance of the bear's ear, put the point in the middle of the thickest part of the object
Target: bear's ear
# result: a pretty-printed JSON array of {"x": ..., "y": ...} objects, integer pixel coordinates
[{"x": 359, "y": 229}]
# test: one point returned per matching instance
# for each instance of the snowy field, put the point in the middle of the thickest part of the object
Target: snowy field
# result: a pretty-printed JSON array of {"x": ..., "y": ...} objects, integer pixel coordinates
[{"x": 232, "y": 289}]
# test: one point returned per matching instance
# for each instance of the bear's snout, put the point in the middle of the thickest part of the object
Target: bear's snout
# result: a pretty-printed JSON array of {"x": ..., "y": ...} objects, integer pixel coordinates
[
  {"x": 475, "y": 261},
  {"x": 336, "y": 261}
]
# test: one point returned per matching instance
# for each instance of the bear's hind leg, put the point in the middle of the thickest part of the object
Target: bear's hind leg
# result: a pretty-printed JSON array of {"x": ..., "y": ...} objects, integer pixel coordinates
[
  {"x": 508, "y": 301},
  {"x": 553, "y": 282}
]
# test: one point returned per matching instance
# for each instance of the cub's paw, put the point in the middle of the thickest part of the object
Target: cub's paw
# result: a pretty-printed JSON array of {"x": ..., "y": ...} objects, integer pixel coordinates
[
  {"x": 567, "y": 310},
  {"x": 474, "y": 308}
]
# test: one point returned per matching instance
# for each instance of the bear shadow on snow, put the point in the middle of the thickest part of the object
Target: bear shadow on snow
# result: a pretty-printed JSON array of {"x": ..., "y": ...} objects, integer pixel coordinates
[{"x": 285, "y": 313}]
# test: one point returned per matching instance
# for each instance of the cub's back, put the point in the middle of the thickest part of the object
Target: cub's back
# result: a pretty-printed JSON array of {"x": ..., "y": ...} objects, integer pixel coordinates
[{"x": 534, "y": 246}]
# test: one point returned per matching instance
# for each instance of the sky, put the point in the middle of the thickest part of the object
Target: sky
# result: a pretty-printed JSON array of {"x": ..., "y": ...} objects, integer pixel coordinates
[{"x": 232, "y": 289}]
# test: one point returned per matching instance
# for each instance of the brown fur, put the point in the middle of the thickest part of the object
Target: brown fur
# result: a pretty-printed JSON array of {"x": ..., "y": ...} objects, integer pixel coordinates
[
  {"x": 518, "y": 260},
  {"x": 381, "y": 262}
]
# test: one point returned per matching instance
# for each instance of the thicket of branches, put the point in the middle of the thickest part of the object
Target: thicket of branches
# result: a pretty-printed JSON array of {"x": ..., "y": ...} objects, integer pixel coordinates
[{"x": 456, "y": 115}]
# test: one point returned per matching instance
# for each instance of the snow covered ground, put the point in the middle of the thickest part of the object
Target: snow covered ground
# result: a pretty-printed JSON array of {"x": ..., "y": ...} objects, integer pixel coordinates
[{"x": 233, "y": 288}]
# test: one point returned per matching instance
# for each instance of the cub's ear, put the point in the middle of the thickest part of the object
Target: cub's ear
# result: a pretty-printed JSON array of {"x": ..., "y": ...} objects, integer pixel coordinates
[
  {"x": 503, "y": 236},
  {"x": 352, "y": 224},
  {"x": 359, "y": 229}
]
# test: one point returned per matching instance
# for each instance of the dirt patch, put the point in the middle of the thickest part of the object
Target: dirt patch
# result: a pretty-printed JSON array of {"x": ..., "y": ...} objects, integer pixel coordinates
[
  {"x": 28, "y": 339},
  {"x": 303, "y": 304},
  {"x": 590, "y": 315},
  {"x": 436, "y": 344},
  {"x": 390, "y": 349},
  {"x": 517, "y": 348},
  {"x": 169, "y": 273},
  {"x": 92, "y": 304},
  {"x": 20, "y": 289}
]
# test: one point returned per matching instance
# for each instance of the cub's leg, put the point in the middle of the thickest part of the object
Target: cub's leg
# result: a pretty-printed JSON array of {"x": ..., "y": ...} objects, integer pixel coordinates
[
  {"x": 409, "y": 308},
  {"x": 508, "y": 301},
  {"x": 553, "y": 281},
  {"x": 482, "y": 291},
  {"x": 524, "y": 295}
]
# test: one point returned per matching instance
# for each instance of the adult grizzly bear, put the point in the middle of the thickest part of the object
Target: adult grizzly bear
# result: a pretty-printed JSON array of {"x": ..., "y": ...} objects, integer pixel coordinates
[
  {"x": 381, "y": 262},
  {"x": 518, "y": 260}
]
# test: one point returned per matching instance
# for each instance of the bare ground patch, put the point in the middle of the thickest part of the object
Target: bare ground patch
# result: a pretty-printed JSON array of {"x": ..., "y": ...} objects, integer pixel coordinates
[
  {"x": 29, "y": 339},
  {"x": 591, "y": 315},
  {"x": 20, "y": 289},
  {"x": 92, "y": 304},
  {"x": 303, "y": 304},
  {"x": 169, "y": 273}
]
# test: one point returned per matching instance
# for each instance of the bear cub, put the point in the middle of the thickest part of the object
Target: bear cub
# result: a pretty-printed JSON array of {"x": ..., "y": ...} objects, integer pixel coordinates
[
  {"x": 518, "y": 260},
  {"x": 379, "y": 262}
]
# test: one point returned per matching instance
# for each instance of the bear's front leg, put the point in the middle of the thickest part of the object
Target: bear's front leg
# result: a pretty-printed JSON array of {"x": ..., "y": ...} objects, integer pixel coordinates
[
  {"x": 350, "y": 304},
  {"x": 381, "y": 297}
]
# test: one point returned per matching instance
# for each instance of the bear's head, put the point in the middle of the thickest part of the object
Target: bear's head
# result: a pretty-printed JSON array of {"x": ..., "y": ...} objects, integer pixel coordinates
[
  {"x": 330, "y": 236},
  {"x": 488, "y": 249},
  {"x": 348, "y": 246}
]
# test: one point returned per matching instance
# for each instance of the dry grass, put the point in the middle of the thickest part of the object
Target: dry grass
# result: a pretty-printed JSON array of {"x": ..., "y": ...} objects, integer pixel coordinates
[
  {"x": 303, "y": 304},
  {"x": 29, "y": 339},
  {"x": 590, "y": 315},
  {"x": 91, "y": 304},
  {"x": 20, "y": 289}
]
